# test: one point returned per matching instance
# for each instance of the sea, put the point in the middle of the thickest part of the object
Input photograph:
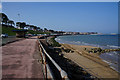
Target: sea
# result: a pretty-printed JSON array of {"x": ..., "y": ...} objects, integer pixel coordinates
[{"x": 102, "y": 41}]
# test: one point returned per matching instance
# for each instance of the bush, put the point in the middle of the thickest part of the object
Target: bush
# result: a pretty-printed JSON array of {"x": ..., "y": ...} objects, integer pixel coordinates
[{"x": 54, "y": 43}]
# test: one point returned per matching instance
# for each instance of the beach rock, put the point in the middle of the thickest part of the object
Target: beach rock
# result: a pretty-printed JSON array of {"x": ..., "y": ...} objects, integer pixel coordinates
[{"x": 95, "y": 50}]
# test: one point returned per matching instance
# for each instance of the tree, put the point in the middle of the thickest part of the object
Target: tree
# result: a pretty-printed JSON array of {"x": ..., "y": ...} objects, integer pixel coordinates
[
  {"x": 21, "y": 24},
  {"x": 41, "y": 30},
  {"x": 3, "y": 18},
  {"x": 18, "y": 24},
  {"x": 10, "y": 22},
  {"x": 31, "y": 27},
  {"x": 27, "y": 26},
  {"x": 38, "y": 28},
  {"x": 45, "y": 29},
  {"x": 52, "y": 31},
  {"x": 35, "y": 27}
]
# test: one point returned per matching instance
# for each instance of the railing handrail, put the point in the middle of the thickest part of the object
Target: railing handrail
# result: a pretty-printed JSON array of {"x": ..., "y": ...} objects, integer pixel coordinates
[{"x": 62, "y": 72}]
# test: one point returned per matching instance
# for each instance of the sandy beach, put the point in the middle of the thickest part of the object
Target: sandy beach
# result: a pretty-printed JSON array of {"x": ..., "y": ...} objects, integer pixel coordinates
[{"x": 91, "y": 62}]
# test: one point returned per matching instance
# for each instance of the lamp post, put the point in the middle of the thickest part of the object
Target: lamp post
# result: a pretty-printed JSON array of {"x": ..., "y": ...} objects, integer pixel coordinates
[
  {"x": 18, "y": 20},
  {"x": 19, "y": 16}
]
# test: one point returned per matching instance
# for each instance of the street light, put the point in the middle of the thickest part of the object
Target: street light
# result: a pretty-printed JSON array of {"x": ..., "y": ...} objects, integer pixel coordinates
[{"x": 19, "y": 16}]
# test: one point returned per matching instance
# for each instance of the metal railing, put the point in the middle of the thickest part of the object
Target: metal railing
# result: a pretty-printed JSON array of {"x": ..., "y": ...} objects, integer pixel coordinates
[{"x": 44, "y": 54}]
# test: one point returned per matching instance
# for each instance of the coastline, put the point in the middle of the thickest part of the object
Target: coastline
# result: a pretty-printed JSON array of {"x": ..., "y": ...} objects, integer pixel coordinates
[
  {"x": 84, "y": 41},
  {"x": 91, "y": 62},
  {"x": 107, "y": 47}
]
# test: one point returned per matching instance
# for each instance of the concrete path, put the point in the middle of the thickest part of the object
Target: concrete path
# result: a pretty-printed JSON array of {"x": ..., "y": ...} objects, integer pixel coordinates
[
  {"x": 92, "y": 67},
  {"x": 20, "y": 60}
]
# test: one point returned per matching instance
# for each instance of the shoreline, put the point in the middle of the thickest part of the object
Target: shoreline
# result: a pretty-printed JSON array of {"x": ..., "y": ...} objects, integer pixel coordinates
[
  {"x": 90, "y": 62},
  {"x": 90, "y": 57},
  {"x": 94, "y": 55},
  {"x": 106, "y": 50},
  {"x": 88, "y": 44}
]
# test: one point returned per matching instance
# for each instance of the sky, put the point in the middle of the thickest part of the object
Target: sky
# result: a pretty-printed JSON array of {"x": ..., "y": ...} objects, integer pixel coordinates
[
  {"x": 101, "y": 17},
  {"x": 60, "y": 0}
]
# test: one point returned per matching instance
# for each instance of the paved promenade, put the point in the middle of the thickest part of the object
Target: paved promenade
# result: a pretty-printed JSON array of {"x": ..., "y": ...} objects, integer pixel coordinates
[{"x": 20, "y": 60}]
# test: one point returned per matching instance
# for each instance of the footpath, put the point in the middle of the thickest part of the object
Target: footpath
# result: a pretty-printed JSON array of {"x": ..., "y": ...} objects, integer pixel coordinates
[{"x": 20, "y": 60}]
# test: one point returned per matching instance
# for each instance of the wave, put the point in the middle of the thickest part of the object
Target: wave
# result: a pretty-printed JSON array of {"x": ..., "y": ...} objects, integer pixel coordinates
[
  {"x": 115, "y": 69},
  {"x": 112, "y": 65},
  {"x": 57, "y": 39},
  {"x": 113, "y": 46},
  {"x": 110, "y": 54},
  {"x": 95, "y": 45},
  {"x": 84, "y": 43},
  {"x": 112, "y": 59},
  {"x": 107, "y": 61}
]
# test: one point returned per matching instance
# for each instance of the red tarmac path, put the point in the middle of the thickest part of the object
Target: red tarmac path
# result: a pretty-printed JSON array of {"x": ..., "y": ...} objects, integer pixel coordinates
[{"x": 20, "y": 60}]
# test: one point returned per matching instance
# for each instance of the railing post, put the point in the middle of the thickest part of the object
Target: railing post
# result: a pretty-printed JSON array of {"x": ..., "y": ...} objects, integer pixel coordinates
[
  {"x": 64, "y": 75},
  {"x": 44, "y": 54}
]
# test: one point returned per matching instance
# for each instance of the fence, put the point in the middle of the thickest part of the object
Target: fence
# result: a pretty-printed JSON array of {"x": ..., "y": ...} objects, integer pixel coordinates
[{"x": 45, "y": 57}]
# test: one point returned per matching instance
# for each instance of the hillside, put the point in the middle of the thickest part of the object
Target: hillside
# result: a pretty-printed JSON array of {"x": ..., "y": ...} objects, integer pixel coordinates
[{"x": 8, "y": 30}]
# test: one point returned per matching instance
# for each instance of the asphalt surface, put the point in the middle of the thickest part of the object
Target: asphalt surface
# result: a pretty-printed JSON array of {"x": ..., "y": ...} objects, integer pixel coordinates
[{"x": 20, "y": 60}]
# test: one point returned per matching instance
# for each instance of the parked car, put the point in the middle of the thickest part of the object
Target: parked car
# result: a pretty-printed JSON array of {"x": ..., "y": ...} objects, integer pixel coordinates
[
  {"x": 29, "y": 35},
  {"x": 4, "y": 35},
  {"x": 34, "y": 34}
]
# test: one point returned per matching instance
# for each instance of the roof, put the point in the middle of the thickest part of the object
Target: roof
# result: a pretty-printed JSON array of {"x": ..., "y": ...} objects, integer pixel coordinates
[{"x": 19, "y": 30}]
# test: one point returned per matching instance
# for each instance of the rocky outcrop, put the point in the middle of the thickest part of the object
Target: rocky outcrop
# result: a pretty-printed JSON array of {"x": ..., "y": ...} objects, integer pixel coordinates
[{"x": 99, "y": 50}]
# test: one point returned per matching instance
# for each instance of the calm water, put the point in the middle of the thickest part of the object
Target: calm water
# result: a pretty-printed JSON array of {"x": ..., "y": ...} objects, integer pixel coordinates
[{"x": 103, "y": 41}]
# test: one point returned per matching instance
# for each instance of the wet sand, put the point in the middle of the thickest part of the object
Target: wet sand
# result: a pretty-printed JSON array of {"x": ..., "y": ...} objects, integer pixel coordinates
[{"x": 91, "y": 62}]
